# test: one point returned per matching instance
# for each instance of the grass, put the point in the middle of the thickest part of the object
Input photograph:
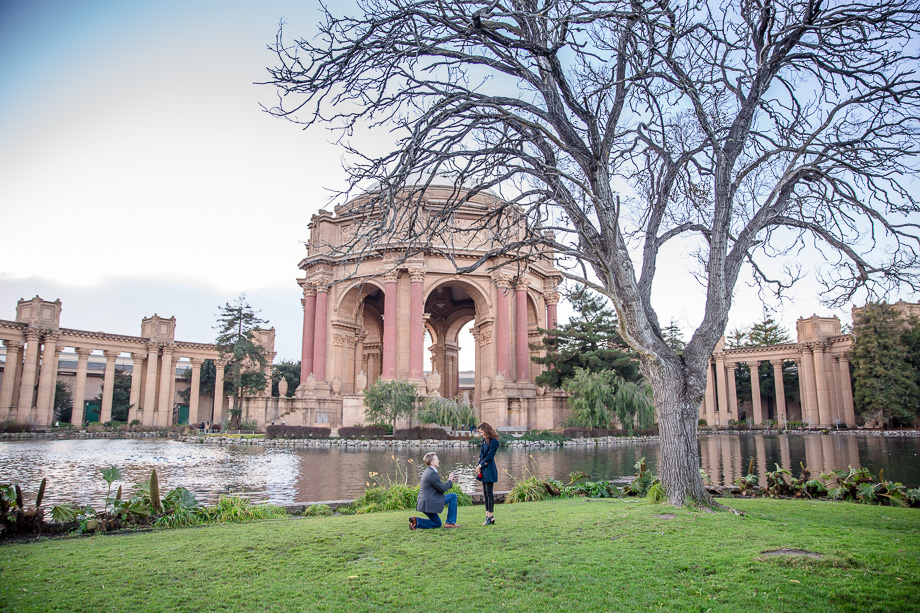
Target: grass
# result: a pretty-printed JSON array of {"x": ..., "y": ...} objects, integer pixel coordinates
[{"x": 557, "y": 555}]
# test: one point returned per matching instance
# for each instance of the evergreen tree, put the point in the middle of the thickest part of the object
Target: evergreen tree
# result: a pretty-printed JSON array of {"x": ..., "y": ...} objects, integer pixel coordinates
[
  {"x": 63, "y": 402},
  {"x": 291, "y": 373},
  {"x": 767, "y": 332},
  {"x": 590, "y": 340},
  {"x": 736, "y": 338},
  {"x": 674, "y": 337},
  {"x": 246, "y": 359},
  {"x": 121, "y": 396},
  {"x": 885, "y": 382},
  {"x": 764, "y": 333}
]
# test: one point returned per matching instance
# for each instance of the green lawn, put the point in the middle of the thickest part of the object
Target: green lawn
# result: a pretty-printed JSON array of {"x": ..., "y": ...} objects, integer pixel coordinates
[{"x": 566, "y": 554}]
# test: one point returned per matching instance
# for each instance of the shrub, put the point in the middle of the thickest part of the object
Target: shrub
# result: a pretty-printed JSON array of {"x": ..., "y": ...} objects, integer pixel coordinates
[
  {"x": 574, "y": 432},
  {"x": 375, "y": 431},
  {"x": 296, "y": 432},
  {"x": 249, "y": 424},
  {"x": 348, "y": 432},
  {"x": 317, "y": 510},
  {"x": 420, "y": 433},
  {"x": 15, "y": 426}
]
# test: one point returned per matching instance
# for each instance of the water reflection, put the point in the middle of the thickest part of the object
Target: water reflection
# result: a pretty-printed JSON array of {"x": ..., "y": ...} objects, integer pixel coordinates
[{"x": 286, "y": 476}]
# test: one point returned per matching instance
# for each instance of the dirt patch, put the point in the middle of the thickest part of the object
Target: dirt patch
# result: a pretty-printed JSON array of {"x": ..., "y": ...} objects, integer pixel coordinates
[
  {"x": 785, "y": 551},
  {"x": 666, "y": 516}
]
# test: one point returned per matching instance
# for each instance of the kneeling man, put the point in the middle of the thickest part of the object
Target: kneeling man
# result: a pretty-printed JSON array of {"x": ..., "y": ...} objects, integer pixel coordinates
[{"x": 431, "y": 497}]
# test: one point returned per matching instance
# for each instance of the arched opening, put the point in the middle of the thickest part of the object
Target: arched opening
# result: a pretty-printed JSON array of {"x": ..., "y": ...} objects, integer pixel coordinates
[
  {"x": 452, "y": 309},
  {"x": 360, "y": 336}
]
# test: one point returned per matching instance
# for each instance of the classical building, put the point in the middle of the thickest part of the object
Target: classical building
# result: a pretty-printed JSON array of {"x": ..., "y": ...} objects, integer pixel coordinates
[
  {"x": 825, "y": 395},
  {"x": 366, "y": 318},
  {"x": 34, "y": 344}
]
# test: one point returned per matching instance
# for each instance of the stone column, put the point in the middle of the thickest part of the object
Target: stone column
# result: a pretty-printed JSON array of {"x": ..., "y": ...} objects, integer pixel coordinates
[
  {"x": 29, "y": 369},
  {"x": 522, "y": 348},
  {"x": 10, "y": 374},
  {"x": 551, "y": 301},
  {"x": 359, "y": 359},
  {"x": 780, "y": 391},
  {"x": 319, "y": 332},
  {"x": 849, "y": 416},
  {"x": 722, "y": 390},
  {"x": 163, "y": 414},
  {"x": 194, "y": 391},
  {"x": 45, "y": 402},
  {"x": 807, "y": 385},
  {"x": 79, "y": 390},
  {"x": 150, "y": 389},
  {"x": 502, "y": 329},
  {"x": 416, "y": 323},
  {"x": 137, "y": 374},
  {"x": 823, "y": 404},
  {"x": 389, "y": 325},
  {"x": 108, "y": 386},
  {"x": 172, "y": 389},
  {"x": 755, "y": 391},
  {"x": 218, "y": 412},
  {"x": 309, "y": 330},
  {"x": 732, "y": 392},
  {"x": 709, "y": 400}
]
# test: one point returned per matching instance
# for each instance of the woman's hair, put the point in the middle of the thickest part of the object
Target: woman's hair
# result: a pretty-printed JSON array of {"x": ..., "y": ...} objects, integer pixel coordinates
[
  {"x": 489, "y": 431},
  {"x": 429, "y": 457}
]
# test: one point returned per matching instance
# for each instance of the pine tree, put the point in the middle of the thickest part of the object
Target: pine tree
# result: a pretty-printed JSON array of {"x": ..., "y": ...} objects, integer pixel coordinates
[
  {"x": 767, "y": 332},
  {"x": 674, "y": 337},
  {"x": 246, "y": 360},
  {"x": 764, "y": 333},
  {"x": 885, "y": 383},
  {"x": 590, "y": 340},
  {"x": 121, "y": 396}
]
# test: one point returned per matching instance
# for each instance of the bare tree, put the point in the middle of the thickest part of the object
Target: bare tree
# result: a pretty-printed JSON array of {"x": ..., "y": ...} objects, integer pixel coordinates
[{"x": 744, "y": 132}]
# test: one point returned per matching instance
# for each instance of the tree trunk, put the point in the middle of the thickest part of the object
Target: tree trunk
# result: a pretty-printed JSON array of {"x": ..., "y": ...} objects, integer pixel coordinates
[{"x": 677, "y": 399}]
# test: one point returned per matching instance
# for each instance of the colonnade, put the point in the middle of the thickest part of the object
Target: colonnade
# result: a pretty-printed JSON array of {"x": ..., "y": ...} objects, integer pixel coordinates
[
  {"x": 824, "y": 388},
  {"x": 34, "y": 344}
]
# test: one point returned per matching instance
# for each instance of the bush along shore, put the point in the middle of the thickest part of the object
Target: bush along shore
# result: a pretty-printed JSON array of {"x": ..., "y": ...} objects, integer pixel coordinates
[{"x": 145, "y": 508}]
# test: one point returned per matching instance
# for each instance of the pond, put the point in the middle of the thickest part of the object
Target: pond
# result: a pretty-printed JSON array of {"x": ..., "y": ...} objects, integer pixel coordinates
[{"x": 296, "y": 476}]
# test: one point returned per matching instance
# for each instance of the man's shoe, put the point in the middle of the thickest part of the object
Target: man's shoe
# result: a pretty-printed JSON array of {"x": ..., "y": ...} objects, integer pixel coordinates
[
  {"x": 451, "y": 525},
  {"x": 413, "y": 523}
]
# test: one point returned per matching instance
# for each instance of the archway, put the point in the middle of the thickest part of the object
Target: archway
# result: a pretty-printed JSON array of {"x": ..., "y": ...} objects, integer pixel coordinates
[{"x": 449, "y": 308}]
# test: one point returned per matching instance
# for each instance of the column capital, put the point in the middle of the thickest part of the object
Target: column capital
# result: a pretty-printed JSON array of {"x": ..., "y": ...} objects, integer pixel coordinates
[
  {"x": 13, "y": 345},
  {"x": 417, "y": 274},
  {"x": 51, "y": 336},
  {"x": 521, "y": 284},
  {"x": 321, "y": 285},
  {"x": 752, "y": 363},
  {"x": 33, "y": 335},
  {"x": 153, "y": 347},
  {"x": 308, "y": 289},
  {"x": 777, "y": 362},
  {"x": 391, "y": 276},
  {"x": 110, "y": 355},
  {"x": 137, "y": 356},
  {"x": 196, "y": 362},
  {"x": 552, "y": 298},
  {"x": 502, "y": 280},
  {"x": 168, "y": 348},
  {"x": 82, "y": 352},
  {"x": 221, "y": 363}
]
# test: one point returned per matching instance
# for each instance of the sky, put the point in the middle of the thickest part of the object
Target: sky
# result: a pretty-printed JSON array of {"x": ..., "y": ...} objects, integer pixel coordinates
[{"x": 139, "y": 175}]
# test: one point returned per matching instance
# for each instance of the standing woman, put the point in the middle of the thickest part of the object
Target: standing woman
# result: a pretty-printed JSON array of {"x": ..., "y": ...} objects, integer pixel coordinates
[{"x": 486, "y": 470}]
